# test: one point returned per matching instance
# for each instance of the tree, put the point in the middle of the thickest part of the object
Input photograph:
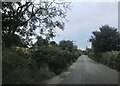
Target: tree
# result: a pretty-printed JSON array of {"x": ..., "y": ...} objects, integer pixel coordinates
[
  {"x": 53, "y": 43},
  {"x": 66, "y": 45},
  {"x": 107, "y": 39},
  {"x": 40, "y": 42},
  {"x": 23, "y": 19}
]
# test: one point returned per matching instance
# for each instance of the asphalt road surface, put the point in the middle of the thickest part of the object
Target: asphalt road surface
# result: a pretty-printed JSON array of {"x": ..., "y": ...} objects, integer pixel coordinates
[{"x": 87, "y": 71}]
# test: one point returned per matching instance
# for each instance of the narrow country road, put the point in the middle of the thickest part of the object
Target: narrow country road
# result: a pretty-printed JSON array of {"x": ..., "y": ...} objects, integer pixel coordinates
[{"x": 87, "y": 71}]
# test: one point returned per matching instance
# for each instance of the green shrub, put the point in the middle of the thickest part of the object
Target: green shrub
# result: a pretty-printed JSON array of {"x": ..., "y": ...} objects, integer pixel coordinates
[
  {"x": 15, "y": 69},
  {"x": 34, "y": 65},
  {"x": 56, "y": 59},
  {"x": 20, "y": 68},
  {"x": 111, "y": 59}
]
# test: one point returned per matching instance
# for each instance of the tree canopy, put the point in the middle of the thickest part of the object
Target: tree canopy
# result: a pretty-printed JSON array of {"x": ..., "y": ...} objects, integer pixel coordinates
[
  {"x": 67, "y": 45},
  {"x": 22, "y": 20},
  {"x": 107, "y": 39}
]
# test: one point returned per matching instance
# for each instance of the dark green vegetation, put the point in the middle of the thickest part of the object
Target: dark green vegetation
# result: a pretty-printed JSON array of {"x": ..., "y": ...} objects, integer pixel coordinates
[
  {"x": 107, "y": 39},
  {"x": 27, "y": 62},
  {"x": 106, "y": 47},
  {"x": 57, "y": 58},
  {"x": 36, "y": 64}
]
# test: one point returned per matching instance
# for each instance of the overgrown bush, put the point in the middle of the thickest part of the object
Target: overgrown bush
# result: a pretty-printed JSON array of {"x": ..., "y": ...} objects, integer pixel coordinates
[
  {"x": 111, "y": 59},
  {"x": 20, "y": 68},
  {"x": 56, "y": 59},
  {"x": 35, "y": 64}
]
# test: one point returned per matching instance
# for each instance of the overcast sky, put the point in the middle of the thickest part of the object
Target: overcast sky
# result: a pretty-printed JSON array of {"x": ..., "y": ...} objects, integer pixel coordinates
[{"x": 86, "y": 17}]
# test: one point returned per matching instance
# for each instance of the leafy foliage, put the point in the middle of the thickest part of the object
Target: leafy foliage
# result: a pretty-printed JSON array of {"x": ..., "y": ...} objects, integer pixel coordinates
[
  {"x": 107, "y": 39},
  {"x": 106, "y": 47},
  {"x": 40, "y": 42},
  {"x": 111, "y": 59},
  {"x": 43, "y": 59},
  {"x": 20, "y": 68},
  {"x": 66, "y": 45},
  {"x": 56, "y": 58},
  {"x": 36, "y": 64},
  {"x": 23, "y": 19}
]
